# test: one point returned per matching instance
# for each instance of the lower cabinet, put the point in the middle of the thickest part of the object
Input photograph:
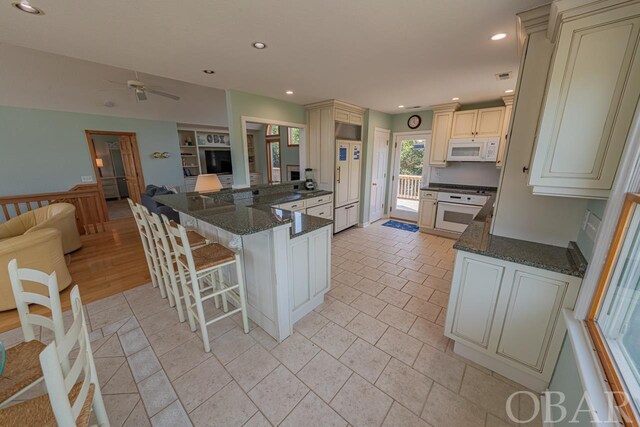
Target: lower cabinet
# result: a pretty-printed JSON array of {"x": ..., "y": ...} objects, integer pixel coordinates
[
  {"x": 507, "y": 316},
  {"x": 427, "y": 209},
  {"x": 322, "y": 211},
  {"x": 309, "y": 271},
  {"x": 345, "y": 217}
]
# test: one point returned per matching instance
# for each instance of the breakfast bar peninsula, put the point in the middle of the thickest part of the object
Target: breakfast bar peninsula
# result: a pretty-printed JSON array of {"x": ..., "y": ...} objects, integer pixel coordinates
[{"x": 285, "y": 253}]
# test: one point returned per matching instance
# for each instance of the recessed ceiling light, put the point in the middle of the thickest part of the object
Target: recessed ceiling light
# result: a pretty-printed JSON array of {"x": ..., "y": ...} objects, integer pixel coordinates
[
  {"x": 508, "y": 91},
  {"x": 25, "y": 6},
  {"x": 400, "y": 106},
  {"x": 498, "y": 36},
  {"x": 455, "y": 99},
  {"x": 208, "y": 71},
  {"x": 259, "y": 45},
  {"x": 289, "y": 92}
]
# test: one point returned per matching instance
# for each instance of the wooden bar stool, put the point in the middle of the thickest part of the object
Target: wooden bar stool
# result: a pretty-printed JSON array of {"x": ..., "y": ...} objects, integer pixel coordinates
[
  {"x": 22, "y": 370},
  {"x": 148, "y": 246},
  {"x": 202, "y": 269},
  {"x": 166, "y": 258},
  {"x": 71, "y": 393}
]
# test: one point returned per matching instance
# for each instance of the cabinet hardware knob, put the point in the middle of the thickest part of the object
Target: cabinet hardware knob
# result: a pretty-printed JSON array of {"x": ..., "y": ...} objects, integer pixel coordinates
[{"x": 525, "y": 169}]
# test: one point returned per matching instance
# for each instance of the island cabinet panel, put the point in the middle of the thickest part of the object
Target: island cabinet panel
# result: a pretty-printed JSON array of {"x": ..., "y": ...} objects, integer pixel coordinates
[
  {"x": 590, "y": 99},
  {"x": 507, "y": 317},
  {"x": 475, "y": 301},
  {"x": 309, "y": 271},
  {"x": 534, "y": 306}
]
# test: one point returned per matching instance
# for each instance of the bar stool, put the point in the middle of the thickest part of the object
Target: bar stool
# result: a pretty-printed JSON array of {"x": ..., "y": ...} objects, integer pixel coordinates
[
  {"x": 202, "y": 269},
  {"x": 166, "y": 258},
  {"x": 148, "y": 246}
]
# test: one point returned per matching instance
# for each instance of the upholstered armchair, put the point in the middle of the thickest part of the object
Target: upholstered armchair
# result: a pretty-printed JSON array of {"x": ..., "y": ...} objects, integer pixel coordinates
[
  {"x": 61, "y": 216},
  {"x": 37, "y": 249}
]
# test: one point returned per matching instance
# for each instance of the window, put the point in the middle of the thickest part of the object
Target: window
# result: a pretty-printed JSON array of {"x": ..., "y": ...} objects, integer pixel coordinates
[
  {"x": 273, "y": 130},
  {"x": 614, "y": 318},
  {"x": 293, "y": 139}
]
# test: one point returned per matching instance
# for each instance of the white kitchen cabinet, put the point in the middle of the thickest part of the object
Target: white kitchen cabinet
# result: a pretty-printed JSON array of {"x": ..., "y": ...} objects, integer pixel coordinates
[
  {"x": 310, "y": 272},
  {"x": 427, "y": 209},
  {"x": 345, "y": 217},
  {"x": 441, "y": 133},
  {"x": 328, "y": 198},
  {"x": 482, "y": 123},
  {"x": 507, "y": 316},
  {"x": 292, "y": 206},
  {"x": 348, "y": 159},
  {"x": 508, "y": 102},
  {"x": 348, "y": 117},
  {"x": 591, "y": 95},
  {"x": 322, "y": 211}
]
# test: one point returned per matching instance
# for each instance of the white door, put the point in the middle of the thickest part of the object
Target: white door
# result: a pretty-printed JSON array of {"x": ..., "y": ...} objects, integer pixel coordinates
[
  {"x": 342, "y": 174},
  {"x": 410, "y": 173},
  {"x": 379, "y": 174}
]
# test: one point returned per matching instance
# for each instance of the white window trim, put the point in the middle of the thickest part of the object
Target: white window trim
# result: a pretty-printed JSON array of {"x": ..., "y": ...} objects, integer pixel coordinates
[{"x": 589, "y": 367}]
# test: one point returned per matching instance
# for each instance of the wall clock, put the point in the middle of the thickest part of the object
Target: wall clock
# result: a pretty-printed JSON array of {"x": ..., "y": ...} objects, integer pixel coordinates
[{"x": 414, "y": 121}]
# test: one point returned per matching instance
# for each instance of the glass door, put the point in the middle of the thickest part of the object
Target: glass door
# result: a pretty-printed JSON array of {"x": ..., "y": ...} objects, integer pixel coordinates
[
  {"x": 273, "y": 161},
  {"x": 411, "y": 172}
]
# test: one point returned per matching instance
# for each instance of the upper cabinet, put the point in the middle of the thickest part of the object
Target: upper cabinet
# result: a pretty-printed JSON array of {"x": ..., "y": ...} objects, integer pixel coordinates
[
  {"x": 441, "y": 132},
  {"x": 504, "y": 136},
  {"x": 591, "y": 95},
  {"x": 355, "y": 118},
  {"x": 486, "y": 122}
]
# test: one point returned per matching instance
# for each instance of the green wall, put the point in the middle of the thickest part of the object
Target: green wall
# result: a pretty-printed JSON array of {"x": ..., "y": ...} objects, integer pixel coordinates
[
  {"x": 399, "y": 121},
  {"x": 372, "y": 120},
  {"x": 566, "y": 378},
  {"x": 245, "y": 104},
  {"x": 46, "y": 151}
]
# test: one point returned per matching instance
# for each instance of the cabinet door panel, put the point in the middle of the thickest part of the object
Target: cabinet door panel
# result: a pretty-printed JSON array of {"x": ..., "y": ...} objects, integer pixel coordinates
[
  {"x": 340, "y": 219},
  {"x": 476, "y": 301},
  {"x": 440, "y": 138},
  {"x": 352, "y": 214},
  {"x": 503, "y": 138},
  {"x": 427, "y": 213},
  {"x": 591, "y": 97},
  {"x": 343, "y": 153},
  {"x": 327, "y": 148},
  {"x": 320, "y": 262},
  {"x": 489, "y": 122},
  {"x": 355, "y": 156},
  {"x": 532, "y": 315},
  {"x": 355, "y": 118},
  {"x": 299, "y": 253},
  {"x": 342, "y": 115},
  {"x": 464, "y": 123}
]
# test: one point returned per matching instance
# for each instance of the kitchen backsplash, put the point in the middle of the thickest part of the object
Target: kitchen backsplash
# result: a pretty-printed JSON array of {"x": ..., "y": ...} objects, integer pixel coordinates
[{"x": 467, "y": 173}]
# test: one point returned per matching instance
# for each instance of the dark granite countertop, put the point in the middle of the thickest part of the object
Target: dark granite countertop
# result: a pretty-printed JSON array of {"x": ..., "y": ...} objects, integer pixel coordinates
[
  {"x": 456, "y": 188},
  {"x": 242, "y": 212},
  {"x": 477, "y": 239}
]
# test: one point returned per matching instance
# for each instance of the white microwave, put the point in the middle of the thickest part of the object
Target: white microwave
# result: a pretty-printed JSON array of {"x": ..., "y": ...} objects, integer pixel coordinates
[{"x": 473, "y": 149}]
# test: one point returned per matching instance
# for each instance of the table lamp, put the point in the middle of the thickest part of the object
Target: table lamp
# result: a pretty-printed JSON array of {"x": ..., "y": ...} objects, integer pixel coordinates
[
  {"x": 100, "y": 165},
  {"x": 208, "y": 182}
]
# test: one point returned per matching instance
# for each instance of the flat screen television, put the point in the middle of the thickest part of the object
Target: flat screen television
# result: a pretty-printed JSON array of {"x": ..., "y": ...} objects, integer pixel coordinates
[{"x": 218, "y": 161}]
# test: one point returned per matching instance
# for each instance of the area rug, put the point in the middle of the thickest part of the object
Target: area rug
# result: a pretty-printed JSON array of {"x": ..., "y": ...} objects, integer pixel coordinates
[{"x": 401, "y": 226}]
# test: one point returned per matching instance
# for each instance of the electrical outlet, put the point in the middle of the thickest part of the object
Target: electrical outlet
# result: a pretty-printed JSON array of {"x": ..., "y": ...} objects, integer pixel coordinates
[
  {"x": 593, "y": 224},
  {"x": 86, "y": 178}
]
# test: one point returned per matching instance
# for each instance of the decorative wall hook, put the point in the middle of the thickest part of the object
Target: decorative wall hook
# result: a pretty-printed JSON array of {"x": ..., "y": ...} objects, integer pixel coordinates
[{"x": 160, "y": 155}]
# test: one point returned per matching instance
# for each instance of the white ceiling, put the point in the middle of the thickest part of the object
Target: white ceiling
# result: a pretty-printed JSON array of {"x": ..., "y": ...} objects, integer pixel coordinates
[{"x": 374, "y": 53}]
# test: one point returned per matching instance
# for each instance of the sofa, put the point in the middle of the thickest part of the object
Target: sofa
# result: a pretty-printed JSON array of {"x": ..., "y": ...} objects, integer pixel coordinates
[
  {"x": 37, "y": 249},
  {"x": 146, "y": 199},
  {"x": 60, "y": 216}
]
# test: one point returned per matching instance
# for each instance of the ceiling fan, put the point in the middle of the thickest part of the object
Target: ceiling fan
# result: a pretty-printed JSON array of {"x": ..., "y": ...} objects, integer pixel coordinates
[{"x": 141, "y": 89}]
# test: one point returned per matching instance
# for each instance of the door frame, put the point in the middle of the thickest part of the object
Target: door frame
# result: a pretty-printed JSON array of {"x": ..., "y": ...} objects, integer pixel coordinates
[
  {"x": 269, "y": 159},
  {"x": 92, "y": 151},
  {"x": 392, "y": 188},
  {"x": 385, "y": 179}
]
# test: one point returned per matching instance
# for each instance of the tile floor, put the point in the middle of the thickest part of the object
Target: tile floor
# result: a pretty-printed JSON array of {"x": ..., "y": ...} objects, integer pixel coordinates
[{"x": 373, "y": 354}]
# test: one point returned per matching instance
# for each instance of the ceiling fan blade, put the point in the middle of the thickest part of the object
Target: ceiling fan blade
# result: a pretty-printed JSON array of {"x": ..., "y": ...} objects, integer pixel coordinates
[
  {"x": 166, "y": 95},
  {"x": 117, "y": 83},
  {"x": 141, "y": 95}
]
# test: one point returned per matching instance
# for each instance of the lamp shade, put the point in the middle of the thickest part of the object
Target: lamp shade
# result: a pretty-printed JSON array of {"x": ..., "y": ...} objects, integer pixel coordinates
[
  {"x": 208, "y": 182},
  {"x": 99, "y": 163}
]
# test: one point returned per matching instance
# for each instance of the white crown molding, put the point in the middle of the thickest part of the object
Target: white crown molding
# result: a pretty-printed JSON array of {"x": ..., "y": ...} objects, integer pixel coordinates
[
  {"x": 531, "y": 21},
  {"x": 566, "y": 10}
]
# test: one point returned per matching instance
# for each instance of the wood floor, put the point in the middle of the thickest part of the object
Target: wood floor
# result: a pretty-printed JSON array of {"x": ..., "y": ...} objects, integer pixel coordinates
[{"x": 107, "y": 263}]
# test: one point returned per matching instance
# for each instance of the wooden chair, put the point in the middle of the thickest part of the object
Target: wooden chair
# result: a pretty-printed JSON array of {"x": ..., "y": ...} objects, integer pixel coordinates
[
  {"x": 22, "y": 370},
  {"x": 70, "y": 392},
  {"x": 148, "y": 246},
  {"x": 200, "y": 265}
]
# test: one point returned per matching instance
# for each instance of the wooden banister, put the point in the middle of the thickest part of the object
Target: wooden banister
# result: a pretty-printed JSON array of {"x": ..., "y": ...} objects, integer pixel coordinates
[{"x": 91, "y": 215}]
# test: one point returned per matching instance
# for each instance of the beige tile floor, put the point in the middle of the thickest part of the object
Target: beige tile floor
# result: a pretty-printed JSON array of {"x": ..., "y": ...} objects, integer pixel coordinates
[{"x": 373, "y": 354}]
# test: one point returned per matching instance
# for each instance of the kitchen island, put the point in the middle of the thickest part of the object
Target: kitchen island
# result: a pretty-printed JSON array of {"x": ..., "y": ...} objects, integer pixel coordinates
[{"x": 285, "y": 253}]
